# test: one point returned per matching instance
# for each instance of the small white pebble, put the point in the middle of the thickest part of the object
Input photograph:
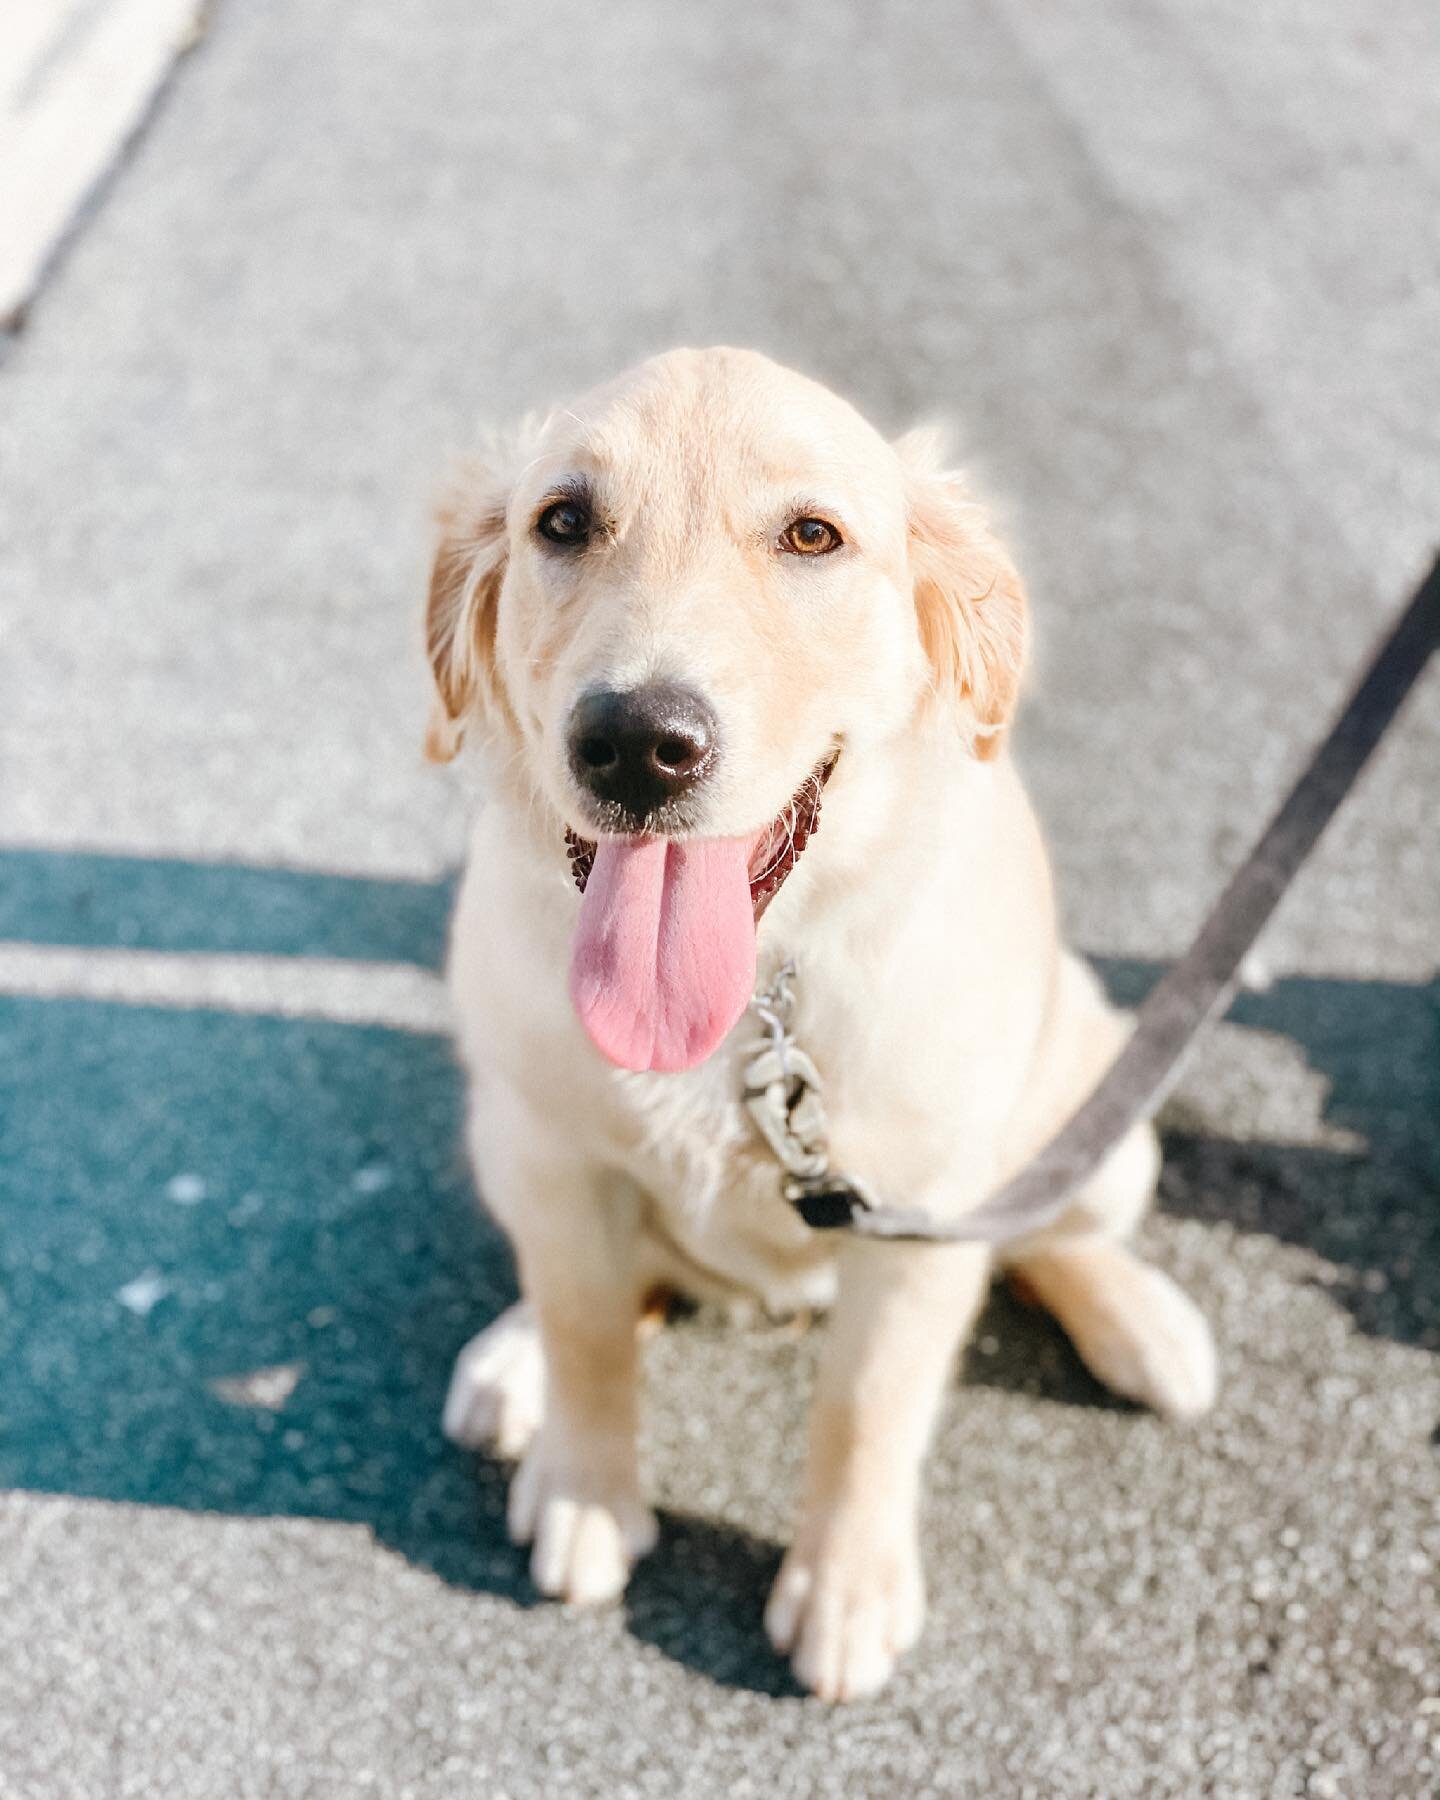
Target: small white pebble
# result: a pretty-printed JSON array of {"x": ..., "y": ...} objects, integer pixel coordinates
[
  {"x": 144, "y": 1293},
  {"x": 185, "y": 1190},
  {"x": 374, "y": 1178},
  {"x": 1255, "y": 974},
  {"x": 265, "y": 1389}
]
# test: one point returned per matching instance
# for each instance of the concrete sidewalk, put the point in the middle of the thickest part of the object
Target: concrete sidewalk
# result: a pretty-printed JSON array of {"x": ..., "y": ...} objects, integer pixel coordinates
[{"x": 1174, "y": 273}]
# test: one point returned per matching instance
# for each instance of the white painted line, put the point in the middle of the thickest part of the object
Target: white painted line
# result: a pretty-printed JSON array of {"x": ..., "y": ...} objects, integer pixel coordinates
[
  {"x": 397, "y": 995},
  {"x": 76, "y": 79}
]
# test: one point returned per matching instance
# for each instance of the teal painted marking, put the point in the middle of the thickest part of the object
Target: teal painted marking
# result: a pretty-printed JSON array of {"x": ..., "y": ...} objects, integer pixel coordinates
[
  {"x": 292, "y": 1193},
  {"x": 142, "y": 903},
  {"x": 326, "y": 1221}
]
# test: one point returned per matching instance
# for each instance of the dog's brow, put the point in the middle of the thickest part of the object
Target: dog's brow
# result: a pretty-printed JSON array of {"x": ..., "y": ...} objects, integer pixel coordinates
[
  {"x": 575, "y": 488},
  {"x": 589, "y": 440},
  {"x": 812, "y": 505},
  {"x": 541, "y": 456}
]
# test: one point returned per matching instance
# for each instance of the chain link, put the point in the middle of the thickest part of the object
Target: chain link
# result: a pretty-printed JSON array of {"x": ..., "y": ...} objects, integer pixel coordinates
[{"x": 782, "y": 1094}]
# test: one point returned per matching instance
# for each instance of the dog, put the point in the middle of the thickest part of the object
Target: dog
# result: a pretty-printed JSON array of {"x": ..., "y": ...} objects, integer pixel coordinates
[{"x": 678, "y": 621}]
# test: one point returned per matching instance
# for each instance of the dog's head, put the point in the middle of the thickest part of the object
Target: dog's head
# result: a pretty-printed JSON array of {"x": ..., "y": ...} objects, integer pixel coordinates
[{"x": 685, "y": 603}]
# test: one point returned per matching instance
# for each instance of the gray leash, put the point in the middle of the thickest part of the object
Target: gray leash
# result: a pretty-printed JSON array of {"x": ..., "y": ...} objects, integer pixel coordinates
[{"x": 782, "y": 1088}]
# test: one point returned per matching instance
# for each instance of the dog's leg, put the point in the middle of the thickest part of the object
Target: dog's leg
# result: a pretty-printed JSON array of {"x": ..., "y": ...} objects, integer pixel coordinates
[
  {"x": 1133, "y": 1328},
  {"x": 850, "y": 1598},
  {"x": 576, "y": 1494},
  {"x": 496, "y": 1397}
]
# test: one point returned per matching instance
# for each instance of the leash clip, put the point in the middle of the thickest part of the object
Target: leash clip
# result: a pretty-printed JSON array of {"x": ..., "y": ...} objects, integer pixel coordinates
[
  {"x": 827, "y": 1202},
  {"x": 782, "y": 1094}
]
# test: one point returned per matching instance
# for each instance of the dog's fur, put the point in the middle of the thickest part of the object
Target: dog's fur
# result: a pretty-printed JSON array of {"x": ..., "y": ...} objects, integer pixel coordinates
[{"x": 953, "y": 1030}]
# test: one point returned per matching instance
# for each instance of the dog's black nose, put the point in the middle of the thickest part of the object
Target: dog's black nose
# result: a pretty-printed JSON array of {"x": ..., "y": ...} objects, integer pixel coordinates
[{"x": 636, "y": 749}]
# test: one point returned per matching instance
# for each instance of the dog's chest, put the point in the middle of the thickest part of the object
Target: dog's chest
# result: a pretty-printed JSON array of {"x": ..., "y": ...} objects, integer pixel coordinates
[{"x": 713, "y": 1186}]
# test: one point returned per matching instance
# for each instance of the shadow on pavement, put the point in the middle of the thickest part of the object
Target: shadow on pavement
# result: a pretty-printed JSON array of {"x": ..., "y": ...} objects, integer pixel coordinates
[
  {"x": 721, "y": 1635},
  {"x": 1373, "y": 1212},
  {"x": 195, "y": 1199}
]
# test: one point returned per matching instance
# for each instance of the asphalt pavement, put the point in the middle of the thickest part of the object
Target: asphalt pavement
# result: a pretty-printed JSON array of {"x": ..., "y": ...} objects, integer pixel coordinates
[{"x": 1173, "y": 272}]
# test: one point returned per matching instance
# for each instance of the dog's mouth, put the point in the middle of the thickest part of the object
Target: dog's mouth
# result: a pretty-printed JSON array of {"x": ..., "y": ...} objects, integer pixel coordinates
[
  {"x": 663, "y": 963},
  {"x": 777, "y": 848}
]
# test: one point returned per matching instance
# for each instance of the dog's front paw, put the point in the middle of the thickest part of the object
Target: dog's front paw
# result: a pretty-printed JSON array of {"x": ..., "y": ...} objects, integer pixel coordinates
[
  {"x": 847, "y": 1603},
  {"x": 588, "y": 1527},
  {"x": 497, "y": 1393}
]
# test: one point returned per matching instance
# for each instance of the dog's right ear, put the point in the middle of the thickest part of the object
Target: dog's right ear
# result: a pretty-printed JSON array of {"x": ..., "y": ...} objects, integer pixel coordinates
[
  {"x": 460, "y": 614},
  {"x": 969, "y": 604}
]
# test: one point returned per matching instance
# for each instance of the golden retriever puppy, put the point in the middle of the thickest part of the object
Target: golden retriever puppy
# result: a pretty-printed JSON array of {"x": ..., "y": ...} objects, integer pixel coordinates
[{"x": 673, "y": 618}]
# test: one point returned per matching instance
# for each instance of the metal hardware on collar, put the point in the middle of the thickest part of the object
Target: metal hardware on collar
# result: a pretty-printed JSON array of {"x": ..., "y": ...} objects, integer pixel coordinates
[
  {"x": 781, "y": 1089},
  {"x": 827, "y": 1202},
  {"x": 1194, "y": 991},
  {"x": 782, "y": 1094}
]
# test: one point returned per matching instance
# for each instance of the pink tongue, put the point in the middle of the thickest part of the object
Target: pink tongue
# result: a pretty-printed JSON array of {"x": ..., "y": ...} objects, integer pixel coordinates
[{"x": 664, "y": 960}]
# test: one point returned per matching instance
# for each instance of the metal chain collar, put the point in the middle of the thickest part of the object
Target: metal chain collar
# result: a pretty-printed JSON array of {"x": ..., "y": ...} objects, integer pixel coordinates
[{"x": 782, "y": 1093}]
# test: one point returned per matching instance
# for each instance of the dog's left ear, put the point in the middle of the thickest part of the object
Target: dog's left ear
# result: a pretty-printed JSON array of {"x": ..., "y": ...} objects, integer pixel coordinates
[{"x": 969, "y": 604}]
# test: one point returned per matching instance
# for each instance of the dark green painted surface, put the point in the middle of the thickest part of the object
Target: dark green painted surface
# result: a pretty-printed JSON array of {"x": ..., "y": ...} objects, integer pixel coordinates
[
  {"x": 336, "y": 1231},
  {"x": 162, "y": 903}
]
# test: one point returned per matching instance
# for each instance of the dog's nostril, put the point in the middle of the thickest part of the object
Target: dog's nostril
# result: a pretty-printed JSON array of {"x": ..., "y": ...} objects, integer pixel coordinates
[
  {"x": 596, "y": 752},
  {"x": 676, "y": 753}
]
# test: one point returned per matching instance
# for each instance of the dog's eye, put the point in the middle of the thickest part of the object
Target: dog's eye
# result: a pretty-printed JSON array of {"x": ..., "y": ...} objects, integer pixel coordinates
[
  {"x": 810, "y": 537},
  {"x": 566, "y": 523}
]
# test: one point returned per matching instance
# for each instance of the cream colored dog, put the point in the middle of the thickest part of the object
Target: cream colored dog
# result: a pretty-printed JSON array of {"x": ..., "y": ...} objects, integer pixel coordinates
[{"x": 672, "y": 618}]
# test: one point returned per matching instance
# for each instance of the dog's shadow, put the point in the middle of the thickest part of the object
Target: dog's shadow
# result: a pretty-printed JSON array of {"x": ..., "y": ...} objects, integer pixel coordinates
[
  {"x": 698, "y": 1597},
  {"x": 1019, "y": 1349}
]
